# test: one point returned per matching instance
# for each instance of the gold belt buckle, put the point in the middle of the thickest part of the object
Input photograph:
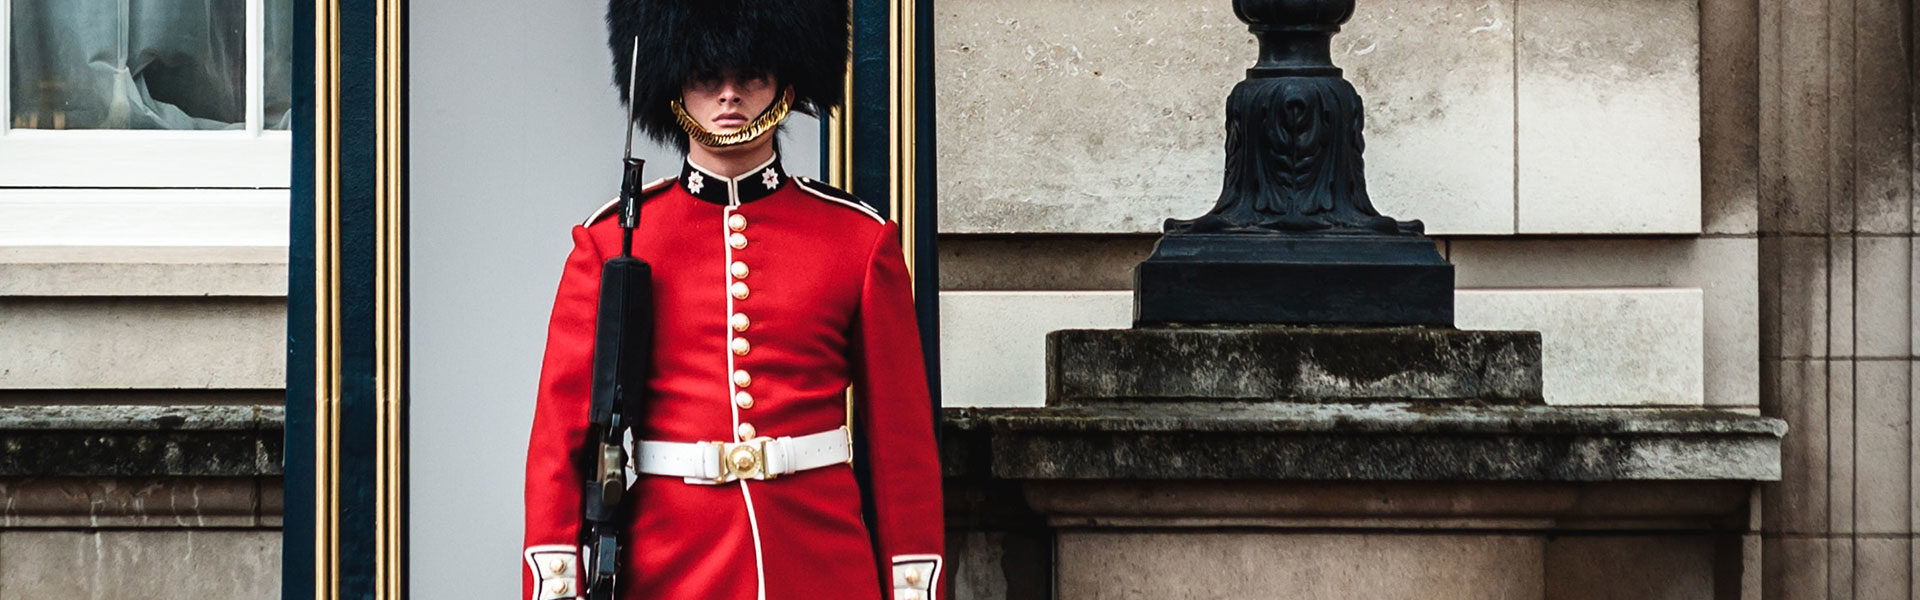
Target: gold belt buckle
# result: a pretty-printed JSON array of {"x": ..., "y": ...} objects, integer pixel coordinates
[{"x": 744, "y": 460}]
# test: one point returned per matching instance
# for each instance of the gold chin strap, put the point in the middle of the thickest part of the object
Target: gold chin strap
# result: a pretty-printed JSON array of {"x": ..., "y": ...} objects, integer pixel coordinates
[{"x": 767, "y": 121}]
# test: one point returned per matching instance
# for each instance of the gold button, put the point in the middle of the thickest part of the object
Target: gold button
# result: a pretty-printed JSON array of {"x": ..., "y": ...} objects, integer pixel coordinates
[
  {"x": 738, "y": 270},
  {"x": 746, "y": 431},
  {"x": 912, "y": 576},
  {"x": 557, "y": 566},
  {"x": 738, "y": 289},
  {"x": 737, "y": 222},
  {"x": 560, "y": 587},
  {"x": 742, "y": 379},
  {"x": 738, "y": 322},
  {"x": 737, "y": 241},
  {"x": 741, "y": 347},
  {"x": 743, "y": 399}
]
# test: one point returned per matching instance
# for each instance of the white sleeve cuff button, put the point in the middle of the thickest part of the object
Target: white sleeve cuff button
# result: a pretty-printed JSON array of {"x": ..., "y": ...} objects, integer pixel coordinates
[
  {"x": 915, "y": 576},
  {"x": 556, "y": 572}
]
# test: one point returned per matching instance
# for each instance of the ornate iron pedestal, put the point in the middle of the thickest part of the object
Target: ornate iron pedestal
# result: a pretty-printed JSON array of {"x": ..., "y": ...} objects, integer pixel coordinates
[{"x": 1294, "y": 237}]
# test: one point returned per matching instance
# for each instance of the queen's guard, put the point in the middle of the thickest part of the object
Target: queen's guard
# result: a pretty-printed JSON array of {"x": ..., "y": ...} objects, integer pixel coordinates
[{"x": 771, "y": 296}]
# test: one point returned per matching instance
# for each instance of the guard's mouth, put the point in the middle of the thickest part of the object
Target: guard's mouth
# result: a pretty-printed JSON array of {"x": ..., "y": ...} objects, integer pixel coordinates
[{"x": 730, "y": 120}]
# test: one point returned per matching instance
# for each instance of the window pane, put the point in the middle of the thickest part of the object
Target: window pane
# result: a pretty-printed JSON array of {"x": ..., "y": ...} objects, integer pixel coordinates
[
  {"x": 129, "y": 64},
  {"x": 278, "y": 75}
]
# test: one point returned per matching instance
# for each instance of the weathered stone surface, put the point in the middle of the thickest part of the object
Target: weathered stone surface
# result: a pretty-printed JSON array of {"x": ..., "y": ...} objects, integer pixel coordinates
[
  {"x": 1232, "y": 565},
  {"x": 1604, "y": 346},
  {"x": 227, "y": 564},
  {"x": 992, "y": 344},
  {"x": 91, "y": 343},
  {"x": 1631, "y": 567},
  {"x": 1375, "y": 442},
  {"x": 1726, "y": 270},
  {"x": 1505, "y": 505},
  {"x": 1608, "y": 112},
  {"x": 141, "y": 441},
  {"x": 145, "y": 502},
  {"x": 1304, "y": 364},
  {"x": 156, "y": 271}
]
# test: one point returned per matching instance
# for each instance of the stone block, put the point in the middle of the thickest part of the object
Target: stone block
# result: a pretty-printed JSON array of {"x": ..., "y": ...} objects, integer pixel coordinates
[
  {"x": 148, "y": 271},
  {"x": 1233, "y": 565},
  {"x": 1803, "y": 298},
  {"x": 1295, "y": 364},
  {"x": 1882, "y": 156},
  {"x": 1883, "y": 447},
  {"x": 1882, "y": 567},
  {"x": 1841, "y": 576},
  {"x": 1437, "y": 79},
  {"x": 1729, "y": 107},
  {"x": 1003, "y": 68},
  {"x": 1638, "y": 567},
  {"x": 993, "y": 344},
  {"x": 1842, "y": 307},
  {"x": 1437, "y": 76},
  {"x": 1796, "y": 567},
  {"x": 1725, "y": 270},
  {"x": 1841, "y": 459},
  {"x": 221, "y": 564},
  {"x": 1609, "y": 117},
  {"x": 1883, "y": 297},
  {"x": 1603, "y": 347},
  {"x": 1797, "y": 505},
  {"x": 199, "y": 343},
  {"x": 1035, "y": 263}
]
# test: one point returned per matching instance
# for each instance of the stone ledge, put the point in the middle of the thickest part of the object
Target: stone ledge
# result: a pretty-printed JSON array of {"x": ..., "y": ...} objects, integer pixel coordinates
[
  {"x": 141, "y": 441},
  {"x": 105, "y": 271},
  {"x": 1372, "y": 442}
]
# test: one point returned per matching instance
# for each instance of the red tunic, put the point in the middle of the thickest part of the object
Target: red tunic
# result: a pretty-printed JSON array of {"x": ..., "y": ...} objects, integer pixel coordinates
[{"x": 827, "y": 304}]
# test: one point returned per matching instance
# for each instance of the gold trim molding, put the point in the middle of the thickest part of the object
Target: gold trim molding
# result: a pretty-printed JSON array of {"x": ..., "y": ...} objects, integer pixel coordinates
[{"x": 326, "y": 258}]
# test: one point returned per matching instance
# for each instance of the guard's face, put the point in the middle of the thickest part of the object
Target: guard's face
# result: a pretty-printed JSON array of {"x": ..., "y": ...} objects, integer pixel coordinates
[{"x": 723, "y": 104}]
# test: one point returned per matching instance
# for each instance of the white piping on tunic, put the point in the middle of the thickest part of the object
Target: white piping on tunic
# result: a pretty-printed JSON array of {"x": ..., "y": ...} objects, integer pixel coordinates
[
  {"x": 733, "y": 183},
  {"x": 753, "y": 521}
]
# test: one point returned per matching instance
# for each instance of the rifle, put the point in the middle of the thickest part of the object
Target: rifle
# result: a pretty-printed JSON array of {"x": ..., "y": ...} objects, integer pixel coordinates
[{"x": 622, "y": 354}]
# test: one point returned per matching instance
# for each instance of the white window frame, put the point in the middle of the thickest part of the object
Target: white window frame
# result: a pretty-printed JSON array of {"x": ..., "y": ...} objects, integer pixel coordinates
[{"x": 253, "y": 158}]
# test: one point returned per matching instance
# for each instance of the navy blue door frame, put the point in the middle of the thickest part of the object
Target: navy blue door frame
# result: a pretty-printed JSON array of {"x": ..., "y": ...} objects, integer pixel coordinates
[{"x": 344, "y": 507}]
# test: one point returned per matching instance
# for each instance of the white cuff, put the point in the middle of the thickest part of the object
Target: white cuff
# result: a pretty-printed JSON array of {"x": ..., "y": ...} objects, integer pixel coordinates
[
  {"x": 916, "y": 576},
  {"x": 556, "y": 571}
]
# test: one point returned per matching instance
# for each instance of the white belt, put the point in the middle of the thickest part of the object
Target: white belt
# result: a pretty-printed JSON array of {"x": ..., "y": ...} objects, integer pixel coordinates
[{"x": 760, "y": 458}]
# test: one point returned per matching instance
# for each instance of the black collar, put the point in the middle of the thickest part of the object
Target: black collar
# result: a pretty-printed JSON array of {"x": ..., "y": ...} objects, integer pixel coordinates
[{"x": 757, "y": 183}]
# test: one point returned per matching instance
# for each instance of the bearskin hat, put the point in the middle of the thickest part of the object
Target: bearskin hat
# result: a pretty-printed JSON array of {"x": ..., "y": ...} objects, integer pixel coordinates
[{"x": 799, "y": 43}]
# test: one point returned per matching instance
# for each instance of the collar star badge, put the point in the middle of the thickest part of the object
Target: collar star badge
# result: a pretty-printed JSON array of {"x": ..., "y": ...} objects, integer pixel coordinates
[
  {"x": 695, "y": 182},
  {"x": 770, "y": 178}
]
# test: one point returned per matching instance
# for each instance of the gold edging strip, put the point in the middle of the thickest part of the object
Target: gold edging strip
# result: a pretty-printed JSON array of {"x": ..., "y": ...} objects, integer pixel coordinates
[
  {"x": 902, "y": 143},
  {"x": 389, "y": 342},
  {"x": 326, "y": 382}
]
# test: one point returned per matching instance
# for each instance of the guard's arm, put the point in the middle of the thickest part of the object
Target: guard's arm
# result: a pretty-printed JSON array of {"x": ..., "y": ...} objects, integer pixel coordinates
[
  {"x": 554, "y": 474},
  {"x": 895, "y": 411}
]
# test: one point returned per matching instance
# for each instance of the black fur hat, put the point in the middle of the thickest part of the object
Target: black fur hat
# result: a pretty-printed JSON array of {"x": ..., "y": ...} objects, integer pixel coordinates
[{"x": 800, "y": 43}]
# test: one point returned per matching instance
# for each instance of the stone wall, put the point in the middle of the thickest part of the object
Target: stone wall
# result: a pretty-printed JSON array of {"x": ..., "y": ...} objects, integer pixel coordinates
[
  {"x": 1773, "y": 271},
  {"x": 1836, "y": 153}
]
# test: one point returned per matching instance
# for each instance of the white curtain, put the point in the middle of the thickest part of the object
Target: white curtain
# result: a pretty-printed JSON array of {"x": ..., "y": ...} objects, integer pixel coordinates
[{"x": 135, "y": 64}]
